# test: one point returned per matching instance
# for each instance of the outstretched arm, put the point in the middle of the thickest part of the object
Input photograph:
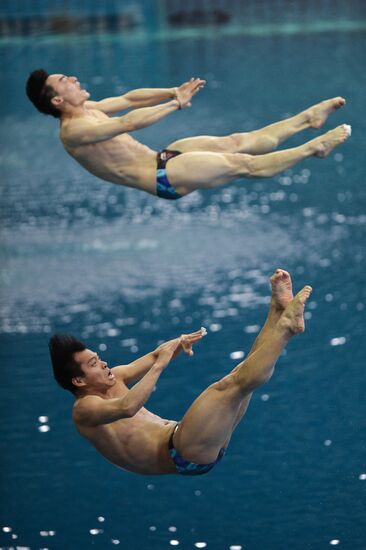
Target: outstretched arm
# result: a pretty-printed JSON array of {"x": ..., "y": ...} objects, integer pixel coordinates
[
  {"x": 93, "y": 410},
  {"x": 137, "y": 369},
  {"x": 81, "y": 131},
  {"x": 143, "y": 97},
  {"x": 135, "y": 99}
]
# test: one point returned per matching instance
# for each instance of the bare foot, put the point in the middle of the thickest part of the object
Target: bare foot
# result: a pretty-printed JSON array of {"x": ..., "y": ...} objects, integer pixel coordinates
[
  {"x": 292, "y": 319},
  {"x": 281, "y": 289},
  {"x": 318, "y": 114},
  {"x": 324, "y": 144}
]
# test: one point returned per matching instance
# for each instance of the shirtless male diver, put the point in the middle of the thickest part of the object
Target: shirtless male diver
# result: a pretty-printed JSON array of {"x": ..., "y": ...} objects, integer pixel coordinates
[
  {"x": 113, "y": 418},
  {"x": 102, "y": 144}
]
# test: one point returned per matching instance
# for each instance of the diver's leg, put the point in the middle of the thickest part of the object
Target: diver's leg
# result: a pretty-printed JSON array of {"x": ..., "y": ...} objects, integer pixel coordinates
[
  {"x": 208, "y": 423},
  {"x": 265, "y": 139},
  {"x": 200, "y": 170},
  {"x": 281, "y": 296}
]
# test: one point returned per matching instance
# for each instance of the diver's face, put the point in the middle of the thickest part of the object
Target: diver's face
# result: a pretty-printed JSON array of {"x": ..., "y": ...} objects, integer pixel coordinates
[
  {"x": 96, "y": 374},
  {"x": 68, "y": 90}
]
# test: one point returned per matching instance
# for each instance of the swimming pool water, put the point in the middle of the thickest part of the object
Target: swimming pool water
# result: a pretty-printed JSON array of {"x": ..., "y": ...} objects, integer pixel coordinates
[{"x": 124, "y": 270}]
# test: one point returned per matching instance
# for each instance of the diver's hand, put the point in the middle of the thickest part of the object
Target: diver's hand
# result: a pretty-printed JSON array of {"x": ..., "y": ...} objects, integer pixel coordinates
[
  {"x": 187, "y": 340},
  {"x": 165, "y": 353},
  {"x": 187, "y": 90},
  {"x": 169, "y": 350}
]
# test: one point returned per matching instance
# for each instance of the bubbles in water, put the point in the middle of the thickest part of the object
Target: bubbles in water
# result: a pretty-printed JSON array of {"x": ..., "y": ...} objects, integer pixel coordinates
[
  {"x": 150, "y": 487},
  {"x": 200, "y": 544},
  {"x": 235, "y": 547},
  {"x": 251, "y": 329},
  {"x": 277, "y": 196},
  {"x": 102, "y": 347},
  {"x": 308, "y": 212},
  {"x": 327, "y": 442},
  {"x": 152, "y": 528},
  {"x": 362, "y": 477},
  {"x": 43, "y": 419},
  {"x": 113, "y": 332},
  {"x": 95, "y": 531},
  {"x": 101, "y": 519},
  {"x": 198, "y": 493},
  {"x": 44, "y": 428},
  {"x": 324, "y": 262},
  {"x": 339, "y": 218},
  {"x": 7, "y": 529},
  {"x": 115, "y": 541},
  {"x": 174, "y": 542},
  {"x": 265, "y": 397},
  {"x": 172, "y": 529},
  {"x": 334, "y": 542},
  {"x": 237, "y": 355},
  {"x": 215, "y": 327},
  {"x": 129, "y": 321},
  {"x": 338, "y": 341},
  {"x": 322, "y": 218},
  {"x": 127, "y": 342},
  {"x": 285, "y": 180}
]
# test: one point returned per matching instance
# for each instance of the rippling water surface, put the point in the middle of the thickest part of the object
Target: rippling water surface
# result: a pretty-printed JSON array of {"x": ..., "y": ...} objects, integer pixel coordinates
[{"x": 124, "y": 270}]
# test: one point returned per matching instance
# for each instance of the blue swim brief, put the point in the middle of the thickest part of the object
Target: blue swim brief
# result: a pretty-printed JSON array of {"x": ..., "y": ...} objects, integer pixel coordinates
[
  {"x": 186, "y": 468},
  {"x": 164, "y": 189}
]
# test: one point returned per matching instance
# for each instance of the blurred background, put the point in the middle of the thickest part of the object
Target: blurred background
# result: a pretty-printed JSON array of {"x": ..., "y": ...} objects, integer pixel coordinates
[{"x": 124, "y": 270}]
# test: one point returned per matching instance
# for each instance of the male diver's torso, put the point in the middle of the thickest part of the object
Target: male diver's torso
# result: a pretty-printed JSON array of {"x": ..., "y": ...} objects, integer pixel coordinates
[
  {"x": 122, "y": 159},
  {"x": 138, "y": 444}
]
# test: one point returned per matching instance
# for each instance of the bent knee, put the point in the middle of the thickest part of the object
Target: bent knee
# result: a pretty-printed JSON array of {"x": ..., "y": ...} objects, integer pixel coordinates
[
  {"x": 238, "y": 381},
  {"x": 224, "y": 384},
  {"x": 242, "y": 164},
  {"x": 241, "y": 142}
]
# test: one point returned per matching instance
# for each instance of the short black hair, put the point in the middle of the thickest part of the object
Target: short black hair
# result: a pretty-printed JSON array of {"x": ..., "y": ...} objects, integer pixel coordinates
[
  {"x": 41, "y": 94},
  {"x": 62, "y": 348}
]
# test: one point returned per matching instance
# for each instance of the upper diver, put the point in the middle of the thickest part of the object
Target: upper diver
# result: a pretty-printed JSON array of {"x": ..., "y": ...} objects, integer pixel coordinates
[{"x": 102, "y": 144}]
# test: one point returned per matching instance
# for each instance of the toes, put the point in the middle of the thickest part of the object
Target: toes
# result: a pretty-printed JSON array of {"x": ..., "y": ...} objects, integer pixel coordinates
[
  {"x": 279, "y": 274},
  {"x": 348, "y": 129},
  {"x": 306, "y": 291}
]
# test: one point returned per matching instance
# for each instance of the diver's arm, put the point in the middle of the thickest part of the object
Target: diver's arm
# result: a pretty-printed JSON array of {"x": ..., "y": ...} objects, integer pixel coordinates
[
  {"x": 93, "y": 410},
  {"x": 147, "y": 97},
  {"x": 135, "y": 99},
  {"x": 138, "y": 368},
  {"x": 81, "y": 131}
]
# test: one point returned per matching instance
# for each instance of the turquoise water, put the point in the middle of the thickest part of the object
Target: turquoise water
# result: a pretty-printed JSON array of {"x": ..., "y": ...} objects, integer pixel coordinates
[{"x": 124, "y": 270}]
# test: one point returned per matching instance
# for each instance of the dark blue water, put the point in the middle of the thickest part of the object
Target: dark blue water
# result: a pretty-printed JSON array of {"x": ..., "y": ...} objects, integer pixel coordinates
[{"x": 124, "y": 271}]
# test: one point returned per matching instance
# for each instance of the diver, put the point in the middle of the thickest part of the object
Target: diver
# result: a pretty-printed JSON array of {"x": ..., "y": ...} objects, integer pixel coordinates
[
  {"x": 109, "y": 403},
  {"x": 102, "y": 143}
]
